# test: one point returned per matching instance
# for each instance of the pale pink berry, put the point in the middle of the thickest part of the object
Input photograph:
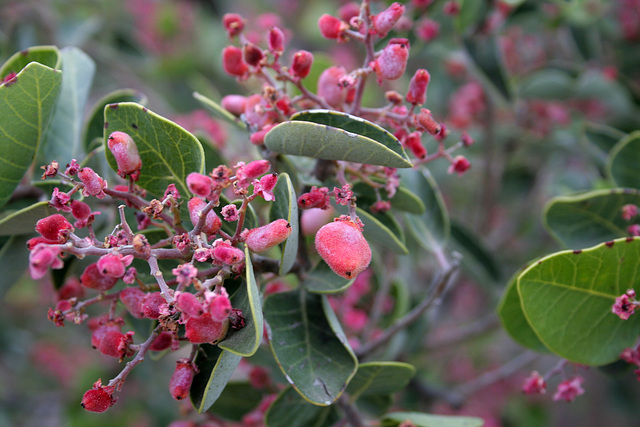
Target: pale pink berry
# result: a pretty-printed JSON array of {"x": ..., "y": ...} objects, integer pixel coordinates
[
  {"x": 234, "y": 104},
  {"x": 331, "y": 87},
  {"x": 263, "y": 238},
  {"x": 248, "y": 172},
  {"x": 187, "y": 303},
  {"x": 418, "y": 87},
  {"x": 41, "y": 258},
  {"x": 220, "y": 307},
  {"x": 332, "y": 27},
  {"x": 54, "y": 227},
  {"x": 113, "y": 265},
  {"x": 264, "y": 187},
  {"x": 343, "y": 247},
  {"x": 212, "y": 222},
  {"x": 385, "y": 20},
  {"x": 276, "y": 41},
  {"x": 199, "y": 184},
  {"x": 152, "y": 305},
  {"x": 301, "y": 64},
  {"x": 224, "y": 253},
  {"x": 233, "y": 62},
  {"x": 185, "y": 273},
  {"x": 99, "y": 398},
  {"x": 313, "y": 219},
  {"x": 203, "y": 329},
  {"x": 230, "y": 213},
  {"x": 180, "y": 382},
  {"x": 233, "y": 23},
  {"x": 392, "y": 62},
  {"x": 348, "y": 11},
  {"x": 125, "y": 151},
  {"x": 92, "y": 278},
  {"x": 132, "y": 299},
  {"x": 93, "y": 184}
]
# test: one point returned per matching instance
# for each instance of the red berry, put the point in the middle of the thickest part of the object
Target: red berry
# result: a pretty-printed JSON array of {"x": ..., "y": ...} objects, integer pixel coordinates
[
  {"x": 233, "y": 23},
  {"x": 163, "y": 341},
  {"x": 99, "y": 398},
  {"x": 276, "y": 41},
  {"x": 413, "y": 141},
  {"x": 93, "y": 184},
  {"x": 263, "y": 238},
  {"x": 203, "y": 329},
  {"x": 233, "y": 62},
  {"x": 199, "y": 184},
  {"x": 125, "y": 151},
  {"x": 330, "y": 86},
  {"x": 252, "y": 54},
  {"x": 54, "y": 228},
  {"x": 418, "y": 87},
  {"x": 132, "y": 299},
  {"x": 301, "y": 65},
  {"x": 151, "y": 305},
  {"x": 343, "y": 247},
  {"x": 332, "y": 27},
  {"x": 180, "y": 382},
  {"x": 220, "y": 307},
  {"x": 93, "y": 278},
  {"x": 187, "y": 303}
]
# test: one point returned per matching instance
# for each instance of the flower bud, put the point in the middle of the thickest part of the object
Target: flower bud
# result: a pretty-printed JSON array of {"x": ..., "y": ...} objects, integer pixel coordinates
[
  {"x": 54, "y": 227},
  {"x": 301, "y": 65},
  {"x": 180, "y": 382},
  {"x": 385, "y": 20},
  {"x": 332, "y": 27},
  {"x": 233, "y": 23},
  {"x": 246, "y": 173},
  {"x": 232, "y": 61},
  {"x": 263, "y": 238},
  {"x": 125, "y": 151},
  {"x": 391, "y": 63},
  {"x": 343, "y": 247},
  {"x": 234, "y": 104},
  {"x": 418, "y": 87},
  {"x": 424, "y": 121},
  {"x": 276, "y": 41},
  {"x": 460, "y": 165}
]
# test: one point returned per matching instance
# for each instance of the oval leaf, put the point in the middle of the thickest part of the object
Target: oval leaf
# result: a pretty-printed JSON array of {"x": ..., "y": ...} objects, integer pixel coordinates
[
  {"x": 62, "y": 141},
  {"x": 169, "y": 153},
  {"x": 377, "y": 378},
  {"x": 513, "y": 319},
  {"x": 26, "y": 107},
  {"x": 48, "y": 56},
  {"x": 316, "y": 361},
  {"x": 384, "y": 229},
  {"x": 567, "y": 299},
  {"x": 14, "y": 260},
  {"x": 94, "y": 128},
  {"x": 309, "y": 139},
  {"x": 588, "y": 219},
  {"x": 237, "y": 399},
  {"x": 476, "y": 254},
  {"x": 291, "y": 410},
  {"x": 394, "y": 419},
  {"x": 624, "y": 161},
  {"x": 245, "y": 341},
  {"x": 322, "y": 280},
  {"x": 286, "y": 206},
  {"x": 24, "y": 220},
  {"x": 215, "y": 367}
]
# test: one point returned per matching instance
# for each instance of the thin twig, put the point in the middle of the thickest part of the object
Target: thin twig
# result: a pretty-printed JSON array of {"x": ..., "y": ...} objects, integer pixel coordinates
[{"x": 464, "y": 333}]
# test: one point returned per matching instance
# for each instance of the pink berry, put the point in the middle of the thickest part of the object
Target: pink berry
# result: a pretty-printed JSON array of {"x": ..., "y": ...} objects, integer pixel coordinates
[
  {"x": 180, "y": 382},
  {"x": 132, "y": 299},
  {"x": 54, "y": 227},
  {"x": 116, "y": 344},
  {"x": 234, "y": 104},
  {"x": 199, "y": 184},
  {"x": 151, "y": 305},
  {"x": 385, "y": 20},
  {"x": 224, "y": 253},
  {"x": 301, "y": 65},
  {"x": 391, "y": 63},
  {"x": 125, "y": 151},
  {"x": 93, "y": 184},
  {"x": 276, "y": 41},
  {"x": 220, "y": 307},
  {"x": 187, "y": 303},
  {"x": 331, "y": 88},
  {"x": 343, "y": 247},
  {"x": 113, "y": 265},
  {"x": 203, "y": 329},
  {"x": 93, "y": 279},
  {"x": 313, "y": 219},
  {"x": 263, "y": 238},
  {"x": 233, "y": 62},
  {"x": 332, "y": 27},
  {"x": 413, "y": 141},
  {"x": 460, "y": 165},
  {"x": 212, "y": 222},
  {"x": 418, "y": 87},
  {"x": 99, "y": 398},
  {"x": 163, "y": 341},
  {"x": 316, "y": 198},
  {"x": 247, "y": 173}
]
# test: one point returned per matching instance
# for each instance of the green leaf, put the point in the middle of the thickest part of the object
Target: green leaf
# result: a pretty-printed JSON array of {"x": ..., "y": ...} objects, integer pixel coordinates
[
  {"x": 486, "y": 56},
  {"x": 567, "y": 299},
  {"x": 48, "y": 56},
  {"x": 286, "y": 206},
  {"x": 602, "y": 136},
  {"x": 94, "y": 128},
  {"x": 218, "y": 110},
  {"x": 212, "y": 155},
  {"x": 384, "y": 229},
  {"x": 215, "y": 367},
  {"x": 337, "y": 136},
  {"x": 376, "y": 405},
  {"x": 26, "y": 107},
  {"x": 169, "y": 153},
  {"x": 291, "y": 410},
  {"x": 549, "y": 83},
  {"x": 404, "y": 200},
  {"x": 624, "y": 161},
  {"x": 284, "y": 164},
  {"x": 379, "y": 378},
  {"x": 311, "y": 351},
  {"x": 513, "y": 319},
  {"x": 394, "y": 419},
  {"x": 62, "y": 140},
  {"x": 237, "y": 399},
  {"x": 432, "y": 227},
  {"x": 475, "y": 252},
  {"x": 24, "y": 220},
  {"x": 471, "y": 12},
  {"x": 14, "y": 260},
  {"x": 245, "y": 341},
  {"x": 590, "y": 218},
  {"x": 322, "y": 280}
]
